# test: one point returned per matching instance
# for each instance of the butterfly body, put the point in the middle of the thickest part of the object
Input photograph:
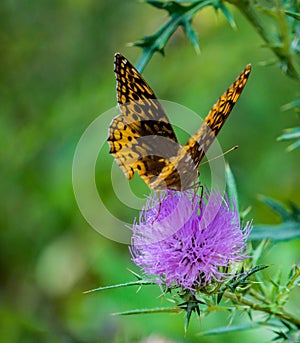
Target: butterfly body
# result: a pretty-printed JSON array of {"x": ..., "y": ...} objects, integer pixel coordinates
[{"x": 142, "y": 139}]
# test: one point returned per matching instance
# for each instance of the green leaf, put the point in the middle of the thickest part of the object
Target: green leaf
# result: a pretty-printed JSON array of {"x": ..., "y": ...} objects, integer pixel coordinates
[
  {"x": 293, "y": 146},
  {"x": 179, "y": 15},
  {"x": 259, "y": 251},
  {"x": 192, "y": 35},
  {"x": 227, "y": 14},
  {"x": 277, "y": 207},
  {"x": 289, "y": 229},
  {"x": 295, "y": 211},
  {"x": 233, "y": 328},
  {"x": 126, "y": 284},
  {"x": 280, "y": 232},
  {"x": 294, "y": 15},
  {"x": 149, "y": 311},
  {"x": 291, "y": 105},
  {"x": 242, "y": 327},
  {"x": 231, "y": 189},
  {"x": 294, "y": 277},
  {"x": 291, "y": 133},
  {"x": 190, "y": 306},
  {"x": 157, "y": 4},
  {"x": 170, "y": 6},
  {"x": 239, "y": 280}
]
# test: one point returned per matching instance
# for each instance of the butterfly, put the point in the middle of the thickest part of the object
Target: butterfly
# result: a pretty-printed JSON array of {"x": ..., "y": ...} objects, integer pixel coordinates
[{"x": 142, "y": 139}]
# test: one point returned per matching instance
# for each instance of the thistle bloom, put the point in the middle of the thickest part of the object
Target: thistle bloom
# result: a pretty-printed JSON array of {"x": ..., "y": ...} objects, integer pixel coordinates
[{"x": 184, "y": 240}]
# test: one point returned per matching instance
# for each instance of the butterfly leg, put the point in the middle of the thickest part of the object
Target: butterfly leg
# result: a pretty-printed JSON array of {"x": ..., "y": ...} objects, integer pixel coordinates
[
  {"x": 201, "y": 196},
  {"x": 157, "y": 215},
  {"x": 196, "y": 188}
]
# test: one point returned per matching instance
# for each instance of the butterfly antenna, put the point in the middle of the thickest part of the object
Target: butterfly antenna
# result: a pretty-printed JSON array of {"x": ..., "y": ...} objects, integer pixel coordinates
[{"x": 224, "y": 153}]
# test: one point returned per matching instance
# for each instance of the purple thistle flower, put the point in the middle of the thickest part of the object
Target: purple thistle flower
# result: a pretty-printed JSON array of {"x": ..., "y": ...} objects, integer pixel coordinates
[{"x": 183, "y": 240}]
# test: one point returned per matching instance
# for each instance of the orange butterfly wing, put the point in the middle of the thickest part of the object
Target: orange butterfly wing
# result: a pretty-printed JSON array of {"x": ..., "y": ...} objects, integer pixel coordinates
[
  {"x": 142, "y": 139},
  {"x": 136, "y": 136},
  {"x": 182, "y": 170}
]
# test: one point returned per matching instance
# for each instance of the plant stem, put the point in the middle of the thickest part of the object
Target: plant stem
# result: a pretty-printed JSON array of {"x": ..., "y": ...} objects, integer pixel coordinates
[
  {"x": 281, "y": 314},
  {"x": 281, "y": 48}
]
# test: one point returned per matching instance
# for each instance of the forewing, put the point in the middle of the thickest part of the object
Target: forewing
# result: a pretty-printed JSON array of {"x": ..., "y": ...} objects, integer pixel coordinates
[
  {"x": 199, "y": 143},
  {"x": 141, "y": 138},
  {"x": 182, "y": 170}
]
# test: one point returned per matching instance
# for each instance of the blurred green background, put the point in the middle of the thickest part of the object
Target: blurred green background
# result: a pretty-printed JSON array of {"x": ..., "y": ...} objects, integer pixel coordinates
[{"x": 56, "y": 67}]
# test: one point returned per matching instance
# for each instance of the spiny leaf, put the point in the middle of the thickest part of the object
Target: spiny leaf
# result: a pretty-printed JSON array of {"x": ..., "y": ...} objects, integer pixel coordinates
[
  {"x": 170, "y": 6},
  {"x": 228, "y": 329},
  {"x": 179, "y": 15},
  {"x": 149, "y": 311},
  {"x": 291, "y": 105},
  {"x": 277, "y": 207},
  {"x": 294, "y": 278},
  {"x": 294, "y": 15},
  {"x": 289, "y": 229},
  {"x": 191, "y": 307},
  {"x": 295, "y": 211},
  {"x": 239, "y": 280},
  {"x": 259, "y": 250},
  {"x": 249, "y": 313},
  {"x": 126, "y": 284},
  {"x": 138, "y": 276},
  {"x": 192, "y": 35},
  {"x": 277, "y": 232},
  {"x": 288, "y": 134},
  {"x": 293, "y": 146},
  {"x": 227, "y": 14},
  {"x": 279, "y": 335}
]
